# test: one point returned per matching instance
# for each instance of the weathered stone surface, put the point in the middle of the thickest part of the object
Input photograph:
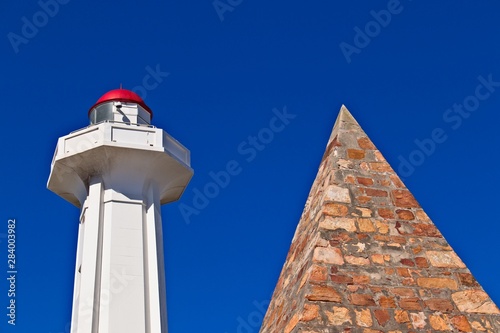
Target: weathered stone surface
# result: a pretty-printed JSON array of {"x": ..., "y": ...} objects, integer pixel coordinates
[
  {"x": 363, "y": 212},
  {"x": 403, "y": 198},
  {"x": 378, "y": 258},
  {"x": 362, "y": 299},
  {"x": 334, "y": 209},
  {"x": 386, "y": 213},
  {"x": 375, "y": 193},
  {"x": 474, "y": 301},
  {"x": 337, "y": 194},
  {"x": 403, "y": 292},
  {"x": 365, "y": 143},
  {"x": 444, "y": 259},
  {"x": 318, "y": 274},
  {"x": 439, "y": 304},
  {"x": 407, "y": 262},
  {"x": 311, "y": 312},
  {"x": 365, "y": 225},
  {"x": 357, "y": 154},
  {"x": 380, "y": 167},
  {"x": 461, "y": 323},
  {"x": 340, "y": 278},
  {"x": 401, "y": 316},
  {"x": 404, "y": 214},
  {"x": 357, "y": 260},
  {"x": 324, "y": 293},
  {"x": 387, "y": 302},
  {"x": 439, "y": 322},
  {"x": 437, "y": 283},
  {"x": 339, "y": 316},
  {"x": 466, "y": 279},
  {"x": 334, "y": 223},
  {"x": 382, "y": 227},
  {"x": 422, "y": 216},
  {"x": 364, "y": 181},
  {"x": 423, "y": 229},
  {"x": 364, "y": 317},
  {"x": 421, "y": 262},
  {"x": 396, "y": 181},
  {"x": 477, "y": 326},
  {"x": 328, "y": 255},
  {"x": 418, "y": 320},
  {"x": 292, "y": 323},
  {"x": 382, "y": 316},
  {"x": 361, "y": 279},
  {"x": 410, "y": 303}
]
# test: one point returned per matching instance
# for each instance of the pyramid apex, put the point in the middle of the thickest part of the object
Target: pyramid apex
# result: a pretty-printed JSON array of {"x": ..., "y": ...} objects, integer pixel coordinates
[
  {"x": 345, "y": 116},
  {"x": 344, "y": 110},
  {"x": 345, "y": 121}
]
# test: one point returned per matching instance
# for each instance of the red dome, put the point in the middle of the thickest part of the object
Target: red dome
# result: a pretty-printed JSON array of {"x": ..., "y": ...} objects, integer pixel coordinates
[{"x": 122, "y": 95}]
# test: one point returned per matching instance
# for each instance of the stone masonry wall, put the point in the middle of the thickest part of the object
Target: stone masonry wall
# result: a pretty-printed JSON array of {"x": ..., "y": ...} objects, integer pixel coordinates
[{"x": 366, "y": 258}]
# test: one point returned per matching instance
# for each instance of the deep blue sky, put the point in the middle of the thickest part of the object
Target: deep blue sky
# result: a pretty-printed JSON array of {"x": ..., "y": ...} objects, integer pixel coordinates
[{"x": 225, "y": 78}]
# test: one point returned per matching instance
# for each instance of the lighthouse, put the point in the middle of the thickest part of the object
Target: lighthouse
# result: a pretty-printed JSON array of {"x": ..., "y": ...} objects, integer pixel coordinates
[{"x": 118, "y": 171}]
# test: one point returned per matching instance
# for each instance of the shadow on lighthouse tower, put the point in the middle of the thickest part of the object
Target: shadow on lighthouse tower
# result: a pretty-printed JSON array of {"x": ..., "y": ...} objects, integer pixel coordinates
[{"x": 119, "y": 171}]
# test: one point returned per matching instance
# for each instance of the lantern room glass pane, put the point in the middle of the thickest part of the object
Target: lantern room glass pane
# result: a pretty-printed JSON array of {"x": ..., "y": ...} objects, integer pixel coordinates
[{"x": 101, "y": 113}]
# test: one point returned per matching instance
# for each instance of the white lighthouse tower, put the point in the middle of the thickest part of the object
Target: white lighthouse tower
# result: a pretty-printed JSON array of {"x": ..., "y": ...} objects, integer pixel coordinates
[{"x": 118, "y": 171}]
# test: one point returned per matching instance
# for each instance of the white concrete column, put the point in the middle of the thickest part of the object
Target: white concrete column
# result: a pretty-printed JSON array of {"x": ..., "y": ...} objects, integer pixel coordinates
[
  {"x": 88, "y": 267},
  {"x": 122, "y": 292},
  {"x": 155, "y": 271},
  {"x": 120, "y": 279}
]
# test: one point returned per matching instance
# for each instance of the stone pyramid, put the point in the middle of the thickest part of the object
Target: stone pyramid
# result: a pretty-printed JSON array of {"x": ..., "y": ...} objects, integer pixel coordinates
[{"x": 366, "y": 258}]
